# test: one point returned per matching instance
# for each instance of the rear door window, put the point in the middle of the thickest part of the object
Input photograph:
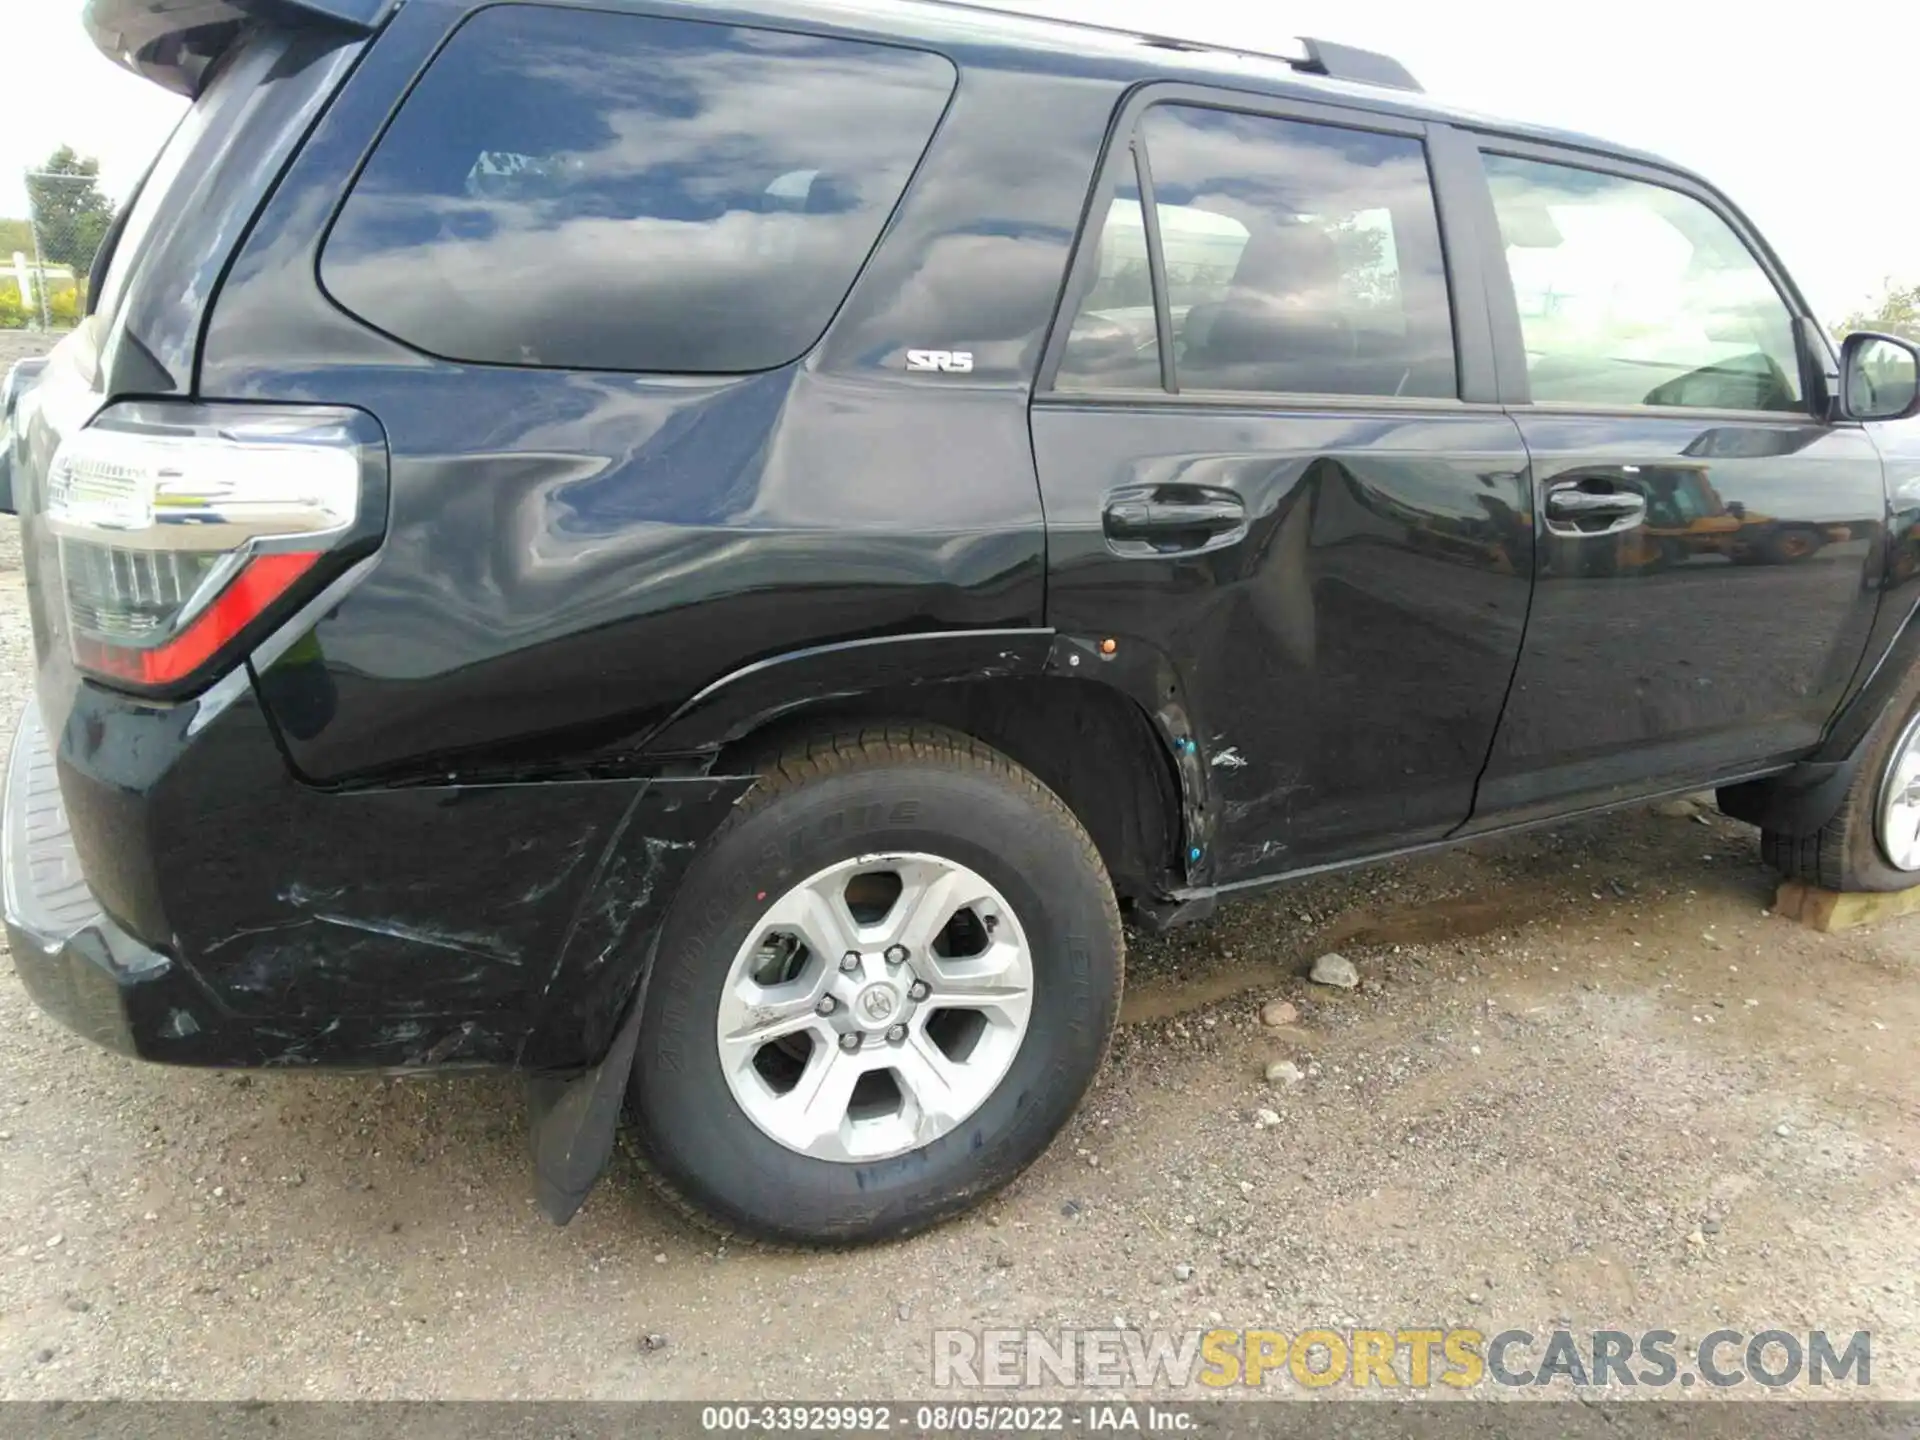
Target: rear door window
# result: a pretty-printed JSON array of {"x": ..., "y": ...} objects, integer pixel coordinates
[
  {"x": 1299, "y": 258},
  {"x": 581, "y": 190}
]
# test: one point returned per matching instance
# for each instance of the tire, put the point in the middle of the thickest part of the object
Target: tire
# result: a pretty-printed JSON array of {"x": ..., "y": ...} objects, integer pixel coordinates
[
  {"x": 906, "y": 798},
  {"x": 1846, "y": 853},
  {"x": 1790, "y": 544}
]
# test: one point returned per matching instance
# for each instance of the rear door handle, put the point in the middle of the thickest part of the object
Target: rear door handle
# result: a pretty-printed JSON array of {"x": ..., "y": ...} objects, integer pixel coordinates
[
  {"x": 1172, "y": 519},
  {"x": 1573, "y": 511}
]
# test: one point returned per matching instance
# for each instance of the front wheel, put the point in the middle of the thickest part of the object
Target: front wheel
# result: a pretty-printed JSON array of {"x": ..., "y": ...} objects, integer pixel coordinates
[
  {"x": 883, "y": 989},
  {"x": 1874, "y": 841}
]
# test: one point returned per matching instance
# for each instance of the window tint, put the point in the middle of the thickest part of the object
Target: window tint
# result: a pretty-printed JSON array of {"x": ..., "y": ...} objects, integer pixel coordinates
[
  {"x": 568, "y": 188},
  {"x": 1300, "y": 258},
  {"x": 1634, "y": 294}
]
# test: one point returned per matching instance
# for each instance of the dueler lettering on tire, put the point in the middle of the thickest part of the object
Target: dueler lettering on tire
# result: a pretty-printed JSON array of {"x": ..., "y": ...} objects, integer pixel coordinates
[{"x": 887, "y": 984}]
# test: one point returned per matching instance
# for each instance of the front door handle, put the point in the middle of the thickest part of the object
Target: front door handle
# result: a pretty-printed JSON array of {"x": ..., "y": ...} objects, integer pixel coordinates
[
  {"x": 1574, "y": 511},
  {"x": 1172, "y": 519}
]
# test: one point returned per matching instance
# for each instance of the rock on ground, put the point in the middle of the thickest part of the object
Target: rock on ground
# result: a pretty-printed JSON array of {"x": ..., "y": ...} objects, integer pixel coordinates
[{"x": 1335, "y": 970}]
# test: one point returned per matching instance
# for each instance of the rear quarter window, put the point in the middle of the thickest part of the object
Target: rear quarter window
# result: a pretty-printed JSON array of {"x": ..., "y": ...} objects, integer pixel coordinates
[{"x": 580, "y": 190}]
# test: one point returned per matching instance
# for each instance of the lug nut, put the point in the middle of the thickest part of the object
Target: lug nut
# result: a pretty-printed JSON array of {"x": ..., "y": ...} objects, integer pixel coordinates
[
  {"x": 896, "y": 1033},
  {"x": 850, "y": 961},
  {"x": 850, "y": 1042},
  {"x": 919, "y": 990},
  {"x": 826, "y": 1006},
  {"x": 896, "y": 955}
]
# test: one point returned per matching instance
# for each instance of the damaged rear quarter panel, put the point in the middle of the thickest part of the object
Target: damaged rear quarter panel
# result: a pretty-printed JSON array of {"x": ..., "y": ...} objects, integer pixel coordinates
[
  {"x": 402, "y": 926},
  {"x": 474, "y": 920}
]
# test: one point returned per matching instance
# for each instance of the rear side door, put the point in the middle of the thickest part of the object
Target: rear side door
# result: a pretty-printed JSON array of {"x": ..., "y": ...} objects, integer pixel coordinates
[
  {"x": 1709, "y": 544},
  {"x": 1272, "y": 457}
]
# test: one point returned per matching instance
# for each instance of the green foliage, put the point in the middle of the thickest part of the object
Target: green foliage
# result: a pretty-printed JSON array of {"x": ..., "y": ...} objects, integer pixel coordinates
[
  {"x": 69, "y": 209},
  {"x": 16, "y": 238},
  {"x": 65, "y": 308},
  {"x": 1897, "y": 313}
]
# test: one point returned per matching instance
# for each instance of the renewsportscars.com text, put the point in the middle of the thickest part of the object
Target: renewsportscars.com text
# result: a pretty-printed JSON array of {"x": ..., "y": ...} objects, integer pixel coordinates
[{"x": 1411, "y": 1358}]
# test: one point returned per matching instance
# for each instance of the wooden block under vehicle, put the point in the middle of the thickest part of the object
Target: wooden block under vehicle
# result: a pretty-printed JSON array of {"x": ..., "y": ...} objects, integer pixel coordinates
[{"x": 1828, "y": 910}]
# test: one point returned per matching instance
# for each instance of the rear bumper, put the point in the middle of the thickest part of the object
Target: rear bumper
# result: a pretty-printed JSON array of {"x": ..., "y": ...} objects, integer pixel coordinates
[
  {"x": 78, "y": 965},
  {"x": 174, "y": 893}
]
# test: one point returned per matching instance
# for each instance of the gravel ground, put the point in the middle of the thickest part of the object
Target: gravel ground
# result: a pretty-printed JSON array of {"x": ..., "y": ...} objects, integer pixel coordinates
[
  {"x": 1587, "y": 1080},
  {"x": 18, "y": 345}
]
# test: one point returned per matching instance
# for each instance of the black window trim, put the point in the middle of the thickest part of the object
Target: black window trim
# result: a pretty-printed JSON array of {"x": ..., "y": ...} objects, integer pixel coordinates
[
  {"x": 1475, "y": 357},
  {"x": 675, "y": 12},
  {"x": 1156, "y": 267},
  {"x": 1508, "y": 337}
]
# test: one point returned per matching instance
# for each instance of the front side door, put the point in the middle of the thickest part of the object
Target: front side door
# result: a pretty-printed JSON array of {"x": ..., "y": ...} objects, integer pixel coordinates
[
  {"x": 1256, "y": 461},
  {"x": 1708, "y": 545}
]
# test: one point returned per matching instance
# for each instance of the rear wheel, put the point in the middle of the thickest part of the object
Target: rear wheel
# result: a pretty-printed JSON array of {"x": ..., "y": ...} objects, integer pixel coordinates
[
  {"x": 1873, "y": 843},
  {"x": 884, "y": 988}
]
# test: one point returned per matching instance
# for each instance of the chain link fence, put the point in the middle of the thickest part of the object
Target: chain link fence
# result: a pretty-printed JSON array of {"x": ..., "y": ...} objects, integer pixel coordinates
[{"x": 44, "y": 264}]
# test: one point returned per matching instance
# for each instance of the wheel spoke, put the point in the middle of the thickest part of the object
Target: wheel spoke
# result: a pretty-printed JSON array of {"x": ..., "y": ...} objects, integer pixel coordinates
[
  {"x": 999, "y": 981},
  {"x": 930, "y": 893},
  {"x": 934, "y": 1084},
  {"x": 1905, "y": 774},
  {"x": 818, "y": 914},
  {"x": 753, "y": 1015},
  {"x": 816, "y": 1106}
]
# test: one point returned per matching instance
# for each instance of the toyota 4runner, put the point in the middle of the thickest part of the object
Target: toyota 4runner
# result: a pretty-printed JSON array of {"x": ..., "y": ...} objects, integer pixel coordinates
[{"x": 710, "y": 553}]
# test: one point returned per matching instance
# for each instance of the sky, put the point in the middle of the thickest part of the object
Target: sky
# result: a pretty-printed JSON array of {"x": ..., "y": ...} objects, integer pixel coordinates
[{"x": 1803, "y": 117}]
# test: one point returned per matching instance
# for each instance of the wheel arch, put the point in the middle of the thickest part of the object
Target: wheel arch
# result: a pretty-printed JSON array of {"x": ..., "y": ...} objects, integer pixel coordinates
[
  {"x": 1087, "y": 742},
  {"x": 1073, "y": 722}
]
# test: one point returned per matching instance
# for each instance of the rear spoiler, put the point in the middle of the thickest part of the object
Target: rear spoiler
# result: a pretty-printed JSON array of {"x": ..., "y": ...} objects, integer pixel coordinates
[{"x": 174, "y": 43}]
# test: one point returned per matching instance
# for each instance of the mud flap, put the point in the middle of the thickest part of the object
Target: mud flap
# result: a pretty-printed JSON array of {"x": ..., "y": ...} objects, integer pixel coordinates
[
  {"x": 572, "y": 1123},
  {"x": 1798, "y": 802}
]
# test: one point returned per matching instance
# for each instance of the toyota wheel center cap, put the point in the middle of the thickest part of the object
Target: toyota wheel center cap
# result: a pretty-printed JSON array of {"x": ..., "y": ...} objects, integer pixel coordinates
[{"x": 877, "y": 1003}]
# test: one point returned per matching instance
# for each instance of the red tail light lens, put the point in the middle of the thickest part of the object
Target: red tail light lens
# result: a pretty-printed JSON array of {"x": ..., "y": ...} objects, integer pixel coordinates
[
  {"x": 182, "y": 528},
  {"x": 260, "y": 582}
]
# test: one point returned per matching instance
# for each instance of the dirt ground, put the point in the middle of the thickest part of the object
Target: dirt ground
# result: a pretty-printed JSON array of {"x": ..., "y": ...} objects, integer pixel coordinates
[
  {"x": 1589, "y": 1081},
  {"x": 19, "y": 345}
]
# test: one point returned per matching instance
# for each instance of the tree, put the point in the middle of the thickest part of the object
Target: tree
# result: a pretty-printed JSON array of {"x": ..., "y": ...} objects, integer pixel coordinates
[
  {"x": 1897, "y": 313},
  {"x": 69, "y": 211},
  {"x": 16, "y": 238}
]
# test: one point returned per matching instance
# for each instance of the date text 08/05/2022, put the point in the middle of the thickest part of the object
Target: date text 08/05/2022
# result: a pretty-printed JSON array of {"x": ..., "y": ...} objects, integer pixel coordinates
[{"x": 983, "y": 1418}]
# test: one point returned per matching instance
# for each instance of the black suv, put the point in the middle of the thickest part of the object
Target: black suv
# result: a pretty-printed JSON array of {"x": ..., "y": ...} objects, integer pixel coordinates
[{"x": 709, "y": 554}]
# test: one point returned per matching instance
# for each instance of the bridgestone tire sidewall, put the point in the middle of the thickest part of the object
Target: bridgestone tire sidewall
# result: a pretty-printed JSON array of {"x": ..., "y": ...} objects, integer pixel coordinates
[{"x": 691, "y": 1131}]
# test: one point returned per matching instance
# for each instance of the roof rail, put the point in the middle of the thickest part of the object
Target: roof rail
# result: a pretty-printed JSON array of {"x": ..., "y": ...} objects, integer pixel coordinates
[
  {"x": 1363, "y": 67},
  {"x": 1313, "y": 57}
]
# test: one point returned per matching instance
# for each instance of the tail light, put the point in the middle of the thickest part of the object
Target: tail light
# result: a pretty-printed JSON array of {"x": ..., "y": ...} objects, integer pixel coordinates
[{"x": 185, "y": 531}]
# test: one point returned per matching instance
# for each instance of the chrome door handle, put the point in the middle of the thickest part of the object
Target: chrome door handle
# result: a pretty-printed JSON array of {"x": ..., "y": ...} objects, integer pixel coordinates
[{"x": 1573, "y": 511}]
